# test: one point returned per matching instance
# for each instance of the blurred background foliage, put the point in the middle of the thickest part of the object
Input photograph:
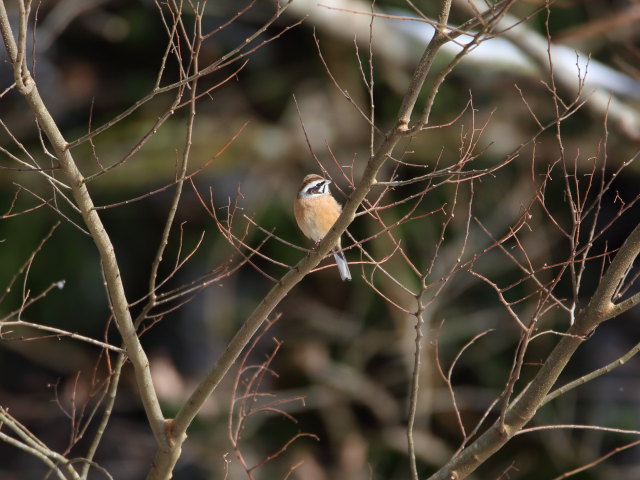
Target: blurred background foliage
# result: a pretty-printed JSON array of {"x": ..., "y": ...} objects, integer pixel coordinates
[{"x": 346, "y": 350}]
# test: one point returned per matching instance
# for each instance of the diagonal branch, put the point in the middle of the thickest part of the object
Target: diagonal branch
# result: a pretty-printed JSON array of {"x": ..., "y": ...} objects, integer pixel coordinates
[
  {"x": 522, "y": 410},
  {"x": 165, "y": 460}
]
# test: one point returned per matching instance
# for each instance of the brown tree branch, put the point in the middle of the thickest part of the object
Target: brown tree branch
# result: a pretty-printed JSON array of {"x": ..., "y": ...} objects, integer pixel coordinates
[
  {"x": 522, "y": 410},
  {"x": 115, "y": 288}
]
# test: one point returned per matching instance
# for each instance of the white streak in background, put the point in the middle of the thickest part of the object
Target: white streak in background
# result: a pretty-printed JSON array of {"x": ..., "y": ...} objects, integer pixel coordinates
[
  {"x": 503, "y": 54},
  {"x": 519, "y": 49}
]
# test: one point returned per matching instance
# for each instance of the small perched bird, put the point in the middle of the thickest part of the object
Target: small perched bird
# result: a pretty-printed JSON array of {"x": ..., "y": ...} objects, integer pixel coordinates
[{"x": 316, "y": 211}]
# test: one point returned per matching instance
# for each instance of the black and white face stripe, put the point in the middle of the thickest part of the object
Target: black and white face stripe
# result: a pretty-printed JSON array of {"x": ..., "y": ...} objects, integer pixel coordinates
[{"x": 315, "y": 188}]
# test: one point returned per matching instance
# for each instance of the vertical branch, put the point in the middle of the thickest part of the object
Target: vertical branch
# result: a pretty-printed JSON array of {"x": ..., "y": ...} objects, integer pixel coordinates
[
  {"x": 20, "y": 72},
  {"x": 112, "y": 391},
  {"x": 415, "y": 388},
  {"x": 184, "y": 160},
  {"x": 370, "y": 85}
]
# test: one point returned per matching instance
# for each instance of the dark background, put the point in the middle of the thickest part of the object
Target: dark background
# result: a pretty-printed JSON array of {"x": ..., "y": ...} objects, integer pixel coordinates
[{"x": 346, "y": 350}]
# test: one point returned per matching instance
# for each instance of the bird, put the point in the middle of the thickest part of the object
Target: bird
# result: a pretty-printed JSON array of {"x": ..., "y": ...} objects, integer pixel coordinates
[{"x": 316, "y": 211}]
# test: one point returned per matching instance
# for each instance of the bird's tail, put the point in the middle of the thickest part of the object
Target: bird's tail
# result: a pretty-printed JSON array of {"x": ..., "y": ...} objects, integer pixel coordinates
[{"x": 343, "y": 266}]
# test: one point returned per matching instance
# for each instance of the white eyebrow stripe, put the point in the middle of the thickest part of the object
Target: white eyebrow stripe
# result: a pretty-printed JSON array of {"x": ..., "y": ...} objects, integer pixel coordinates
[{"x": 307, "y": 190}]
